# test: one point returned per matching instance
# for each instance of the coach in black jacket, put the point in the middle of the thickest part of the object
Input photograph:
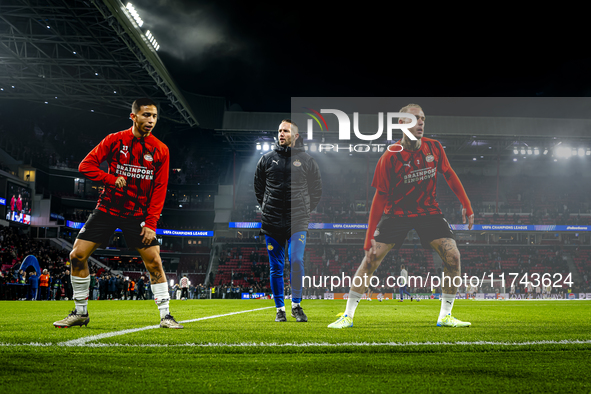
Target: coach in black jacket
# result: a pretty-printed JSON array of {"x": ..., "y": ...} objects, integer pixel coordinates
[{"x": 288, "y": 187}]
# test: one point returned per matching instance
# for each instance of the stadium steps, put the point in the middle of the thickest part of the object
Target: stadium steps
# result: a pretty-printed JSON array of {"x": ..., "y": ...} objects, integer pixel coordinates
[
  {"x": 63, "y": 244},
  {"x": 572, "y": 267},
  {"x": 213, "y": 261}
]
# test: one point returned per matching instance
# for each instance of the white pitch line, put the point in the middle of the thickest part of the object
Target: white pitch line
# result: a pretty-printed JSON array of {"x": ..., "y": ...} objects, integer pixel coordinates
[
  {"x": 316, "y": 344},
  {"x": 84, "y": 340}
]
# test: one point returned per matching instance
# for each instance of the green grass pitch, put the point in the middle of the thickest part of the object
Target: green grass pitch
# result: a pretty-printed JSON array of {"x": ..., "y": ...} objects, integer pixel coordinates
[{"x": 512, "y": 346}]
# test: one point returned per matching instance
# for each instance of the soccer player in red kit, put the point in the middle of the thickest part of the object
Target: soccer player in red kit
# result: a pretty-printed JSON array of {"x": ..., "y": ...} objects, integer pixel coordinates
[
  {"x": 405, "y": 199},
  {"x": 135, "y": 189}
]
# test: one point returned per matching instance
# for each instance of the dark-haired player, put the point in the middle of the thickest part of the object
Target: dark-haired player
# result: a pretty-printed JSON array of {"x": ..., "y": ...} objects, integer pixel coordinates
[
  {"x": 135, "y": 189},
  {"x": 405, "y": 199}
]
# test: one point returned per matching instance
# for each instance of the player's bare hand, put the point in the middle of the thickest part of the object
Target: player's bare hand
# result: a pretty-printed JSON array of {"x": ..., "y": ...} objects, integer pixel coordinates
[
  {"x": 120, "y": 182},
  {"x": 470, "y": 219},
  {"x": 148, "y": 235},
  {"x": 370, "y": 255}
]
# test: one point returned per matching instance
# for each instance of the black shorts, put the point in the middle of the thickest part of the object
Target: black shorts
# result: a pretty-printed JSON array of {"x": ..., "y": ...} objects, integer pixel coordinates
[
  {"x": 100, "y": 226},
  {"x": 394, "y": 230}
]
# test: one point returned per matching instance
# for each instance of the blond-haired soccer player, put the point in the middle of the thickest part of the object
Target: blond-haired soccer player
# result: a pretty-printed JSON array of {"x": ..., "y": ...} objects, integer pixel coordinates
[{"x": 406, "y": 184}]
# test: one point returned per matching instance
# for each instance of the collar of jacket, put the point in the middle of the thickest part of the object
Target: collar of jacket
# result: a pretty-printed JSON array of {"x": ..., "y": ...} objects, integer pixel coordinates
[{"x": 287, "y": 150}]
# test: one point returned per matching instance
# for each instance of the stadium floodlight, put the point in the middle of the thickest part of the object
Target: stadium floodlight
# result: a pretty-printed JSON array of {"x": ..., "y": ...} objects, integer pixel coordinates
[
  {"x": 536, "y": 151},
  {"x": 522, "y": 151},
  {"x": 581, "y": 152},
  {"x": 555, "y": 159},
  {"x": 588, "y": 152},
  {"x": 514, "y": 159},
  {"x": 152, "y": 40},
  {"x": 574, "y": 152},
  {"x": 259, "y": 146},
  {"x": 563, "y": 152},
  {"x": 265, "y": 146},
  {"x": 313, "y": 147},
  {"x": 474, "y": 159},
  {"x": 135, "y": 15},
  {"x": 545, "y": 151},
  {"x": 515, "y": 151},
  {"x": 529, "y": 152}
]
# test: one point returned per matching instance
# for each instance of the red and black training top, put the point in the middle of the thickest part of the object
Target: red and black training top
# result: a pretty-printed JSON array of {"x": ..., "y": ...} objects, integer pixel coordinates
[
  {"x": 143, "y": 162},
  {"x": 409, "y": 179},
  {"x": 406, "y": 184}
]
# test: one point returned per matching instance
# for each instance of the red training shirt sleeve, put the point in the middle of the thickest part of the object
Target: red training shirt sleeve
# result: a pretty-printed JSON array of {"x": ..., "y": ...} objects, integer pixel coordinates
[
  {"x": 381, "y": 181},
  {"x": 159, "y": 192},
  {"x": 453, "y": 180},
  {"x": 381, "y": 176},
  {"x": 375, "y": 214},
  {"x": 89, "y": 166}
]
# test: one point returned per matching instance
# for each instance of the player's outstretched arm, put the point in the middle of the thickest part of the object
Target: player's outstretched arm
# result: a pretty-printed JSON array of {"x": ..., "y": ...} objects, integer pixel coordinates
[
  {"x": 456, "y": 186},
  {"x": 89, "y": 166},
  {"x": 377, "y": 209}
]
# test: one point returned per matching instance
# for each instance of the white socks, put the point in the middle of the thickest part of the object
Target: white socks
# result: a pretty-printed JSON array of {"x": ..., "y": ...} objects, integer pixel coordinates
[
  {"x": 161, "y": 297},
  {"x": 447, "y": 302},
  {"x": 281, "y": 308},
  {"x": 352, "y": 303},
  {"x": 80, "y": 287},
  {"x": 294, "y": 304}
]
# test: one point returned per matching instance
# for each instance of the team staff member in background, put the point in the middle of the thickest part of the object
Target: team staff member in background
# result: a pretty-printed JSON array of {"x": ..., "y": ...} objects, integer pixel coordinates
[
  {"x": 404, "y": 289},
  {"x": 44, "y": 285},
  {"x": 184, "y": 287},
  {"x": 288, "y": 187},
  {"x": 34, "y": 286},
  {"x": 135, "y": 189},
  {"x": 405, "y": 198}
]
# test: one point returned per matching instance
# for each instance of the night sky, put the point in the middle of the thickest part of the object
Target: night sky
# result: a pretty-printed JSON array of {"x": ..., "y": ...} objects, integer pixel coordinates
[{"x": 259, "y": 56}]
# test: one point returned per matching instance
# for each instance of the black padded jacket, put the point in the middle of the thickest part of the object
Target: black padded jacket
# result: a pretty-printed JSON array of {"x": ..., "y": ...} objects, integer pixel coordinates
[{"x": 288, "y": 187}]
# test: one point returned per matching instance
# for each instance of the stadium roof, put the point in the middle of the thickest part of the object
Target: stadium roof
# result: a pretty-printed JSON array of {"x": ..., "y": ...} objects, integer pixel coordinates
[{"x": 85, "y": 55}]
